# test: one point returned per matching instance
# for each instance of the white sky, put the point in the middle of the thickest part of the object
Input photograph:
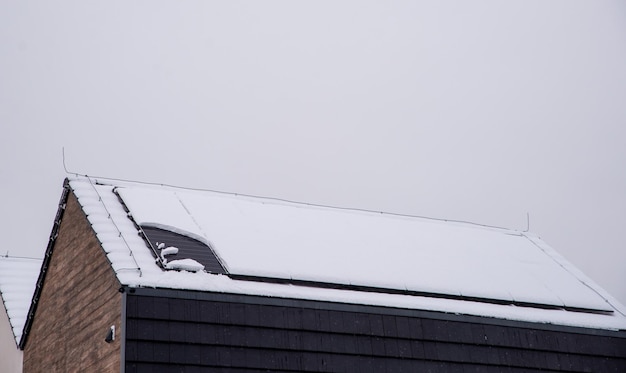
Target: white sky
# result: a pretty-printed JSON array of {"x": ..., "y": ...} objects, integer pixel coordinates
[{"x": 480, "y": 111}]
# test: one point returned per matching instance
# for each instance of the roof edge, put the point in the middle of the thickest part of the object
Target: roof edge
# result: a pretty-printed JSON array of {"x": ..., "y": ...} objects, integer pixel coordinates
[
  {"x": 373, "y": 289},
  {"x": 124, "y": 183},
  {"x": 45, "y": 264},
  {"x": 368, "y": 308}
]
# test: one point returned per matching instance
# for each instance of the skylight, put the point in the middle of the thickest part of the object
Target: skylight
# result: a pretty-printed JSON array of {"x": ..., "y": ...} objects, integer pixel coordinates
[{"x": 166, "y": 241}]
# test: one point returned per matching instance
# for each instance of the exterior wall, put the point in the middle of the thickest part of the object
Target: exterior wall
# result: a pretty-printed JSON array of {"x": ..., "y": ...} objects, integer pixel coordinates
[
  {"x": 171, "y": 331},
  {"x": 10, "y": 355},
  {"x": 79, "y": 302}
]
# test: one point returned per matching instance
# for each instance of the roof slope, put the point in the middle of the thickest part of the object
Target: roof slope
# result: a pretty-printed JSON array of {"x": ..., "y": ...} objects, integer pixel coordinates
[
  {"x": 18, "y": 277},
  {"x": 422, "y": 263}
]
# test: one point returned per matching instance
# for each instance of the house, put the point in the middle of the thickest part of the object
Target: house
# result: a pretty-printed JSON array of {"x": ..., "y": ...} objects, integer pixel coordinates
[
  {"x": 17, "y": 285},
  {"x": 141, "y": 278}
]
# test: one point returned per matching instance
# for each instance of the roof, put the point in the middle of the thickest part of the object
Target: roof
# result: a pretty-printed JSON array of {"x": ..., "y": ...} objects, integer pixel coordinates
[
  {"x": 18, "y": 277},
  {"x": 303, "y": 251}
]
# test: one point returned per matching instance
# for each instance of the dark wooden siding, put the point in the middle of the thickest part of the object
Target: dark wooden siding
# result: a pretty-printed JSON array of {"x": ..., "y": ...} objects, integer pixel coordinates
[{"x": 238, "y": 333}]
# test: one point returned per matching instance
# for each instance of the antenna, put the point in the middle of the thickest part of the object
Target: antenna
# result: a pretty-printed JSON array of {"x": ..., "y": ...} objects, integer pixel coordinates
[{"x": 64, "y": 166}]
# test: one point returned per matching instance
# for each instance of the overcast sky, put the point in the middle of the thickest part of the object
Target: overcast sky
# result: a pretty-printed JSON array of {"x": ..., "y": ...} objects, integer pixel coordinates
[{"x": 472, "y": 110}]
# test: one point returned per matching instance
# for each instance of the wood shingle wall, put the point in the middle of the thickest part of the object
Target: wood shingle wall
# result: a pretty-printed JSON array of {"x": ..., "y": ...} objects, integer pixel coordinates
[
  {"x": 78, "y": 304},
  {"x": 169, "y": 333}
]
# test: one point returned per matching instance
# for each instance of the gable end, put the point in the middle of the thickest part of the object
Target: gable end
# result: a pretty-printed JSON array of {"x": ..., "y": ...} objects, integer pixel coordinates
[{"x": 76, "y": 301}]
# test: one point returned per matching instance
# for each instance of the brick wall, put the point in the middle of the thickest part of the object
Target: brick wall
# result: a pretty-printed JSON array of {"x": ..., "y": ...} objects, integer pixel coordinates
[{"x": 78, "y": 304}]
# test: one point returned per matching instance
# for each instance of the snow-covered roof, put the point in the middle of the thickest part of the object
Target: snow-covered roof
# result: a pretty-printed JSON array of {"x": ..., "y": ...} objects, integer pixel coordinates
[
  {"x": 460, "y": 264},
  {"x": 18, "y": 277}
]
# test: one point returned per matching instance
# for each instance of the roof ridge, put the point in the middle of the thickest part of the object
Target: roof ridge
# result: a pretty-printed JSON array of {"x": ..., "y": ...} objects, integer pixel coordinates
[{"x": 97, "y": 180}]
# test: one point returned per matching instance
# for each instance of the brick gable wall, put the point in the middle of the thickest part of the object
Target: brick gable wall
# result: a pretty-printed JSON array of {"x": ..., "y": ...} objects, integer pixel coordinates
[{"x": 78, "y": 304}]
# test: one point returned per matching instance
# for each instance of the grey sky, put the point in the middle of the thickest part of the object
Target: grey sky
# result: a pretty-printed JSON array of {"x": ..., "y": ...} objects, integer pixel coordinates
[{"x": 479, "y": 111}]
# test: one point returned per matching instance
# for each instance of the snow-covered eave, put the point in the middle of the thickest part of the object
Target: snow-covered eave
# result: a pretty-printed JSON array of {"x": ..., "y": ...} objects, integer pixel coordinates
[
  {"x": 18, "y": 276},
  {"x": 5, "y": 310},
  {"x": 406, "y": 292},
  {"x": 224, "y": 284}
]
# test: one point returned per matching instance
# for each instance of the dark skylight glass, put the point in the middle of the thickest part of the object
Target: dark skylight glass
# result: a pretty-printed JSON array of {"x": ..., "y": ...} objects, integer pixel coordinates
[{"x": 188, "y": 248}]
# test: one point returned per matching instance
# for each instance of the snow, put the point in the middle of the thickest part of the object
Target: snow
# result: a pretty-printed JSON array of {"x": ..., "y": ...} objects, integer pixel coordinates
[
  {"x": 263, "y": 238},
  {"x": 18, "y": 278},
  {"x": 185, "y": 265},
  {"x": 169, "y": 251},
  {"x": 270, "y": 238}
]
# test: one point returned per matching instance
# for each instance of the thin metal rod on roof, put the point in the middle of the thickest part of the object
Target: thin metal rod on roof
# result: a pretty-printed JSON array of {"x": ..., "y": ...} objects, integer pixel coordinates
[
  {"x": 19, "y": 257},
  {"x": 116, "y": 227}
]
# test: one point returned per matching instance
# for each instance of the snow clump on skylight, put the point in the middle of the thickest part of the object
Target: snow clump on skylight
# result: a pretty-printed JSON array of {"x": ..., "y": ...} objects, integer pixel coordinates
[{"x": 185, "y": 265}]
